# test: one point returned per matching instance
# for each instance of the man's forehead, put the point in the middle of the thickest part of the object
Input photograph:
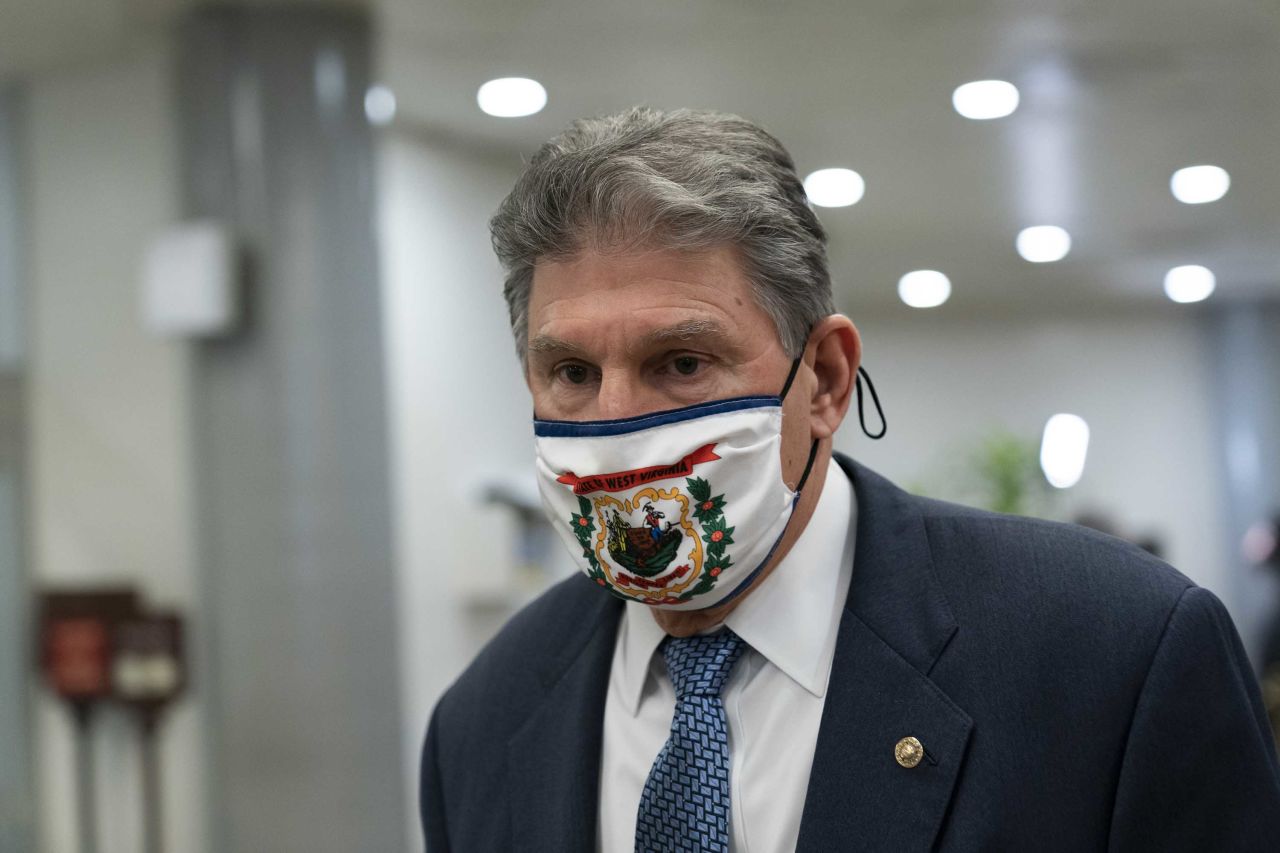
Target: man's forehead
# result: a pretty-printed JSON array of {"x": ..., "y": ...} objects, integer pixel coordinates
[
  {"x": 711, "y": 282},
  {"x": 592, "y": 269},
  {"x": 635, "y": 302}
]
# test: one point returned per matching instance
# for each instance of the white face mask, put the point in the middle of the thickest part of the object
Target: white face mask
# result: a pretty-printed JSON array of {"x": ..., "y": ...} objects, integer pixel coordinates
[{"x": 678, "y": 509}]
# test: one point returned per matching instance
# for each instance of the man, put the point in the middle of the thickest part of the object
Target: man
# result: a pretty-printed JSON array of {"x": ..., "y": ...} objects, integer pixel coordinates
[{"x": 814, "y": 660}]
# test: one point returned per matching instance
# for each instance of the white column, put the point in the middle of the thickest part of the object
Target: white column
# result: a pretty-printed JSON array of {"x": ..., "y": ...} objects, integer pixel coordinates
[{"x": 290, "y": 434}]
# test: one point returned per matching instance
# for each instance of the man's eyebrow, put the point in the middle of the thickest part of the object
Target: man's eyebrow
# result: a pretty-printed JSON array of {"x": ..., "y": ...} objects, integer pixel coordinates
[
  {"x": 544, "y": 344},
  {"x": 684, "y": 331}
]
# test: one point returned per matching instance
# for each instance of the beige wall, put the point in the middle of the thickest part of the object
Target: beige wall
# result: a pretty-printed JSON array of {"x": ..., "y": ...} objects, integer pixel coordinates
[
  {"x": 109, "y": 479},
  {"x": 459, "y": 414},
  {"x": 1141, "y": 381}
]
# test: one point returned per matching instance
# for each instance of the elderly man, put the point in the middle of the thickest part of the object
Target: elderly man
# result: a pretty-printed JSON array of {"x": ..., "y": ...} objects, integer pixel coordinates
[{"x": 805, "y": 657}]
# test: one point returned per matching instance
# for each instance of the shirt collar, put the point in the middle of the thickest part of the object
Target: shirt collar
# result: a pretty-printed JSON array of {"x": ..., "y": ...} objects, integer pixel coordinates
[{"x": 793, "y": 616}]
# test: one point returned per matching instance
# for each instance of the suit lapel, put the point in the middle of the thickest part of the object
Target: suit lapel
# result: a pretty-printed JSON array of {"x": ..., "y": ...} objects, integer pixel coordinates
[
  {"x": 895, "y": 625},
  {"x": 553, "y": 759}
]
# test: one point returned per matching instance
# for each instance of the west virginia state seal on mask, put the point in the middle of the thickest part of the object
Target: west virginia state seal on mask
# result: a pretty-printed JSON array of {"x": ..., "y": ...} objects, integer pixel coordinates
[{"x": 678, "y": 509}]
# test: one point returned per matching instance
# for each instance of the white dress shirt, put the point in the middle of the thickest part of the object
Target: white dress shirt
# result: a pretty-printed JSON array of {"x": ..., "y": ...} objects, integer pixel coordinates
[{"x": 773, "y": 698}]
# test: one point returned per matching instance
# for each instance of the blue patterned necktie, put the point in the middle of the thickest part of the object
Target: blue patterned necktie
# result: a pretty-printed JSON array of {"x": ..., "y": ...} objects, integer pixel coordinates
[{"x": 685, "y": 804}]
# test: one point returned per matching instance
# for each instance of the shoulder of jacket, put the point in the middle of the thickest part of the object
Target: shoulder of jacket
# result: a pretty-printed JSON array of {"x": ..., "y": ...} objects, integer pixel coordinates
[
  {"x": 509, "y": 669},
  {"x": 1015, "y": 559}
]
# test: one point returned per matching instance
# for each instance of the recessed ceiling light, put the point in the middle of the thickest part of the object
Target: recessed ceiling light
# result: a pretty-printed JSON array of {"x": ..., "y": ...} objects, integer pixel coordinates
[
  {"x": 511, "y": 97},
  {"x": 380, "y": 105},
  {"x": 834, "y": 187},
  {"x": 1191, "y": 283},
  {"x": 1063, "y": 450},
  {"x": 924, "y": 288},
  {"x": 985, "y": 99},
  {"x": 1199, "y": 184},
  {"x": 1043, "y": 244}
]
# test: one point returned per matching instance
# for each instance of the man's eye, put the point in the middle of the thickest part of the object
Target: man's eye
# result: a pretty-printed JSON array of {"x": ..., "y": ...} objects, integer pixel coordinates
[
  {"x": 686, "y": 365},
  {"x": 574, "y": 374}
]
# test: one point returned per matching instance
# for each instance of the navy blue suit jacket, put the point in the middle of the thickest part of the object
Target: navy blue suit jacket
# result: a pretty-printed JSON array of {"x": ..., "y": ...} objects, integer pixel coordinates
[{"x": 1071, "y": 693}]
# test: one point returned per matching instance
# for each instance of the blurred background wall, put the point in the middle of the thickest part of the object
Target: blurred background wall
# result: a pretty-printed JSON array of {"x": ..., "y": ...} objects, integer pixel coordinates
[
  {"x": 336, "y": 489},
  {"x": 109, "y": 478},
  {"x": 459, "y": 413},
  {"x": 16, "y": 796},
  {"x": 1141, "y": 382}
]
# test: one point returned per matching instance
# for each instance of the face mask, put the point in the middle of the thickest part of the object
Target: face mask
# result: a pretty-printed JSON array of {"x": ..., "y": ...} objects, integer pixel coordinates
[{"x": 679, "y": 509}]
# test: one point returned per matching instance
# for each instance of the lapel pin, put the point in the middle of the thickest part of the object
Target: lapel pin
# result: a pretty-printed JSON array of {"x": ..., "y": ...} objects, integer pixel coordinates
[{"x": 908, "y": 751}]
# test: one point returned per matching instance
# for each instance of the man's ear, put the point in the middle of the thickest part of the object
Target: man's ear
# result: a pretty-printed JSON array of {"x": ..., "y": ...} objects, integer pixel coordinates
[{"x": 837, "y": 352}]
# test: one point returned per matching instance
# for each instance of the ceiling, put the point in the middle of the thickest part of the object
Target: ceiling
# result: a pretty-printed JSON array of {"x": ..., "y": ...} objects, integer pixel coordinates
[{"x": 1115, "y": 96}]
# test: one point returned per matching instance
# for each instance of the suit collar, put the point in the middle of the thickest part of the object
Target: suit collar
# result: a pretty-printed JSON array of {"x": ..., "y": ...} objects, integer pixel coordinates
[
  {"x": 895, "y": 590},
  {"x": 895, "y": 626}
]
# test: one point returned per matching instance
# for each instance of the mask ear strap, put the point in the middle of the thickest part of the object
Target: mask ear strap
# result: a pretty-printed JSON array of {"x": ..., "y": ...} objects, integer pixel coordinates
[
  {"x": 791, "y": 377},
  {"x": 884, "y": 426},
  {"x": 808, "y": 466},
  {"x": 813, "y": 450},
  {"x": 875, "y": 398}
]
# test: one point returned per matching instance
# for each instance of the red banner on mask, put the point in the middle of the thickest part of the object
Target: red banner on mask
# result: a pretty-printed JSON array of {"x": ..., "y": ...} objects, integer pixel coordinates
[
  {"x": 624, "y": 480},
  {"x": 657, "y": 583}
]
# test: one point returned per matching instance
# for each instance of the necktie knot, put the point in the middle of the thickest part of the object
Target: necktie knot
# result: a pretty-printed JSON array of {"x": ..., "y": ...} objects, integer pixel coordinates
[{"x": 700, "y": 665}]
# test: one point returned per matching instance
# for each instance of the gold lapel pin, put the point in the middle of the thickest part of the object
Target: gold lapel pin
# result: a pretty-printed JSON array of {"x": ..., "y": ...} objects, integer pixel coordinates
[{"x": 908, "y": 751}]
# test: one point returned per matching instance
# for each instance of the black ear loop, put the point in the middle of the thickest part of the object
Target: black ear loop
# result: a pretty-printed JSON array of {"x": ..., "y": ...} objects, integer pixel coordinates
[
  {"x": 862, "y": 414},
  {"x": 875, "y": 398},
  {"x": 813, "y": 448},
  {"x": 791, "y": 377},
  {"x": 884, "y": 425}
]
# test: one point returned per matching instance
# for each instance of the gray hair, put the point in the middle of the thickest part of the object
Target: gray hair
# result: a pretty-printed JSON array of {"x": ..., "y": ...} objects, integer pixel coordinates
[{"x": 684, "y": 180}]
